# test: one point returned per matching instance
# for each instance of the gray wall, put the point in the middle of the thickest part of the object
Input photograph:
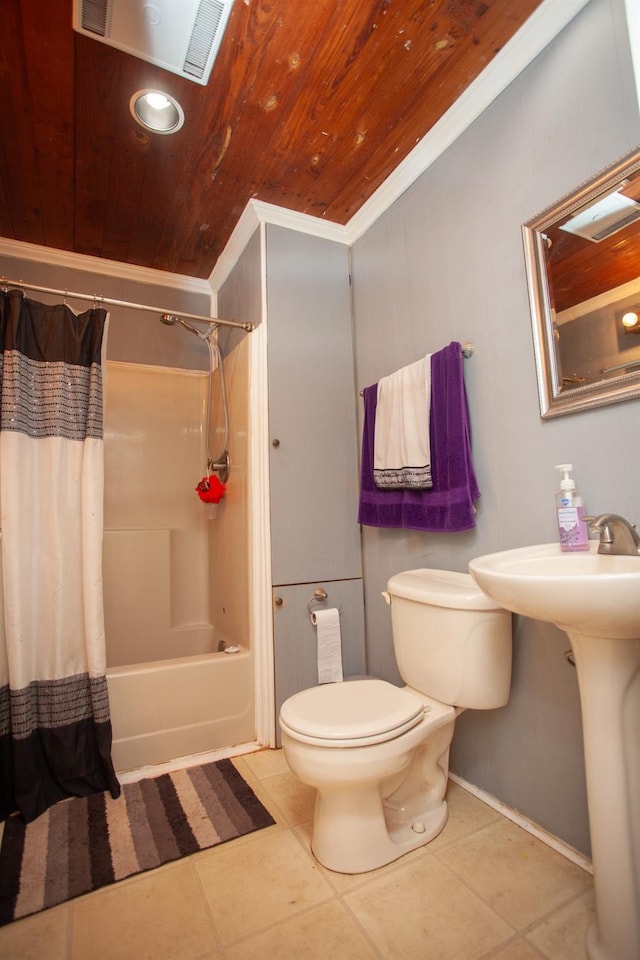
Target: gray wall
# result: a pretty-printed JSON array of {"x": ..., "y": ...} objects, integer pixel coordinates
[{"x": 446, "y": 263}]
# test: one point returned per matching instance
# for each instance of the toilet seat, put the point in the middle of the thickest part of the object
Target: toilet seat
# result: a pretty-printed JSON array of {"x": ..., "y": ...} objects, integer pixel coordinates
[{"x": 354, "y": 713}]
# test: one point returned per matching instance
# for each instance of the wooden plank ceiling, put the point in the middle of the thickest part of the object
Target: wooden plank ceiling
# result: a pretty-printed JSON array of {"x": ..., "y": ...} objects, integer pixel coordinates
[{"x": 310, "y": 105}]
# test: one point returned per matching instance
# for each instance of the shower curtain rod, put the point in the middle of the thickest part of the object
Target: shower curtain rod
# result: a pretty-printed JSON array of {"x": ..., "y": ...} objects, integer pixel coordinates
[{"x": 5, "y": 283}]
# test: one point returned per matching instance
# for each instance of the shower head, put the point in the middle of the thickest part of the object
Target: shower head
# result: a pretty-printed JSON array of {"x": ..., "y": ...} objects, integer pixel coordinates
[{"x": 171, "y": 319}]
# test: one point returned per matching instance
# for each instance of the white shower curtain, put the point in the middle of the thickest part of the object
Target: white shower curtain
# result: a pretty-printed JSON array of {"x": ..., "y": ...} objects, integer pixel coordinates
[{"x": 55, "y": 729}]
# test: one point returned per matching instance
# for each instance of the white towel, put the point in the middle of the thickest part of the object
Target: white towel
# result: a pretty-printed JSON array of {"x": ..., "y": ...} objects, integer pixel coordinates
[{"x": 402, "y": 454}]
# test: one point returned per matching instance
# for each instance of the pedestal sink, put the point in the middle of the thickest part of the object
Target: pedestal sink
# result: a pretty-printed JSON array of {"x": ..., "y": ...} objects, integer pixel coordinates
[{"x": 596, "y": 600}]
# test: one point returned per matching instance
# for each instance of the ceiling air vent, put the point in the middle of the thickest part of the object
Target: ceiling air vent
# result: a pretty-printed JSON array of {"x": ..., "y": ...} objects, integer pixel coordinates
[
  {"x": 624, "y": 221},
  {"x": 182, "y": 36},
  {"x": 603, "y": 218},
  {"x": 94, "y": 16}
]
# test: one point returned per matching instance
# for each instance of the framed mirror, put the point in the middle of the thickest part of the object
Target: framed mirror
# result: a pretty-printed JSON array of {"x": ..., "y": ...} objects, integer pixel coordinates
[{"x": 582, "y": 258}]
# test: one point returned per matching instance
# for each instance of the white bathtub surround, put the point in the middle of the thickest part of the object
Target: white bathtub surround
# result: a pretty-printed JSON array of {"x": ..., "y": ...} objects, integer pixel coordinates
[
  {"x": 172, "y": 595},
  {"x": 156, "y": 542}
]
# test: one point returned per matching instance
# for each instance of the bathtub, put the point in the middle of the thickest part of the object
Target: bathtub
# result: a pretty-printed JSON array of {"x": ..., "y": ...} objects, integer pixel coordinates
[{"x": 167, "y": 709}]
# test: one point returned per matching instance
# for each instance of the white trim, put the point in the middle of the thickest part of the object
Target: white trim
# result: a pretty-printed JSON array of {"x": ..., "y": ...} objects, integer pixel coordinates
[
  {"x": 537, "y": 32},
  {"x": 551, "y": 841},
  {"x": 106, "y": 268},
  {"x": 183, "y": 763},
  {"x": 258, "y": 212},
  {"x": 236, "y": 244},
  {"x": 302, "y": 222},
  {"x": 260, "y": 523},
  {"x": 599, "y": 302}
]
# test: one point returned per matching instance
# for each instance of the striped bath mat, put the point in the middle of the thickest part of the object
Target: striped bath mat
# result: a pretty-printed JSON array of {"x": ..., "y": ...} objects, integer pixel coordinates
[{"x": 83, "y": 844}]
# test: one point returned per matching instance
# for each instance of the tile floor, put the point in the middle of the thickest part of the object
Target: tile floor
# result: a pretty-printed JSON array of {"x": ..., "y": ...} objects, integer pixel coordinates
[{"x": 484, "y": 889}]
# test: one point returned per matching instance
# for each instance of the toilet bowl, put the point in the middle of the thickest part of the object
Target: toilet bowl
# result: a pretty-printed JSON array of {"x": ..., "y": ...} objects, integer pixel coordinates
[
  {"x": 377, "y": 754},
  {"x": 358, "y": 757}
]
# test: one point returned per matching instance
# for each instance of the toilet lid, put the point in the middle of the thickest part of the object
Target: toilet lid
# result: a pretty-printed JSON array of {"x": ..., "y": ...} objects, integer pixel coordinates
[{"x": 352, "y": 713}]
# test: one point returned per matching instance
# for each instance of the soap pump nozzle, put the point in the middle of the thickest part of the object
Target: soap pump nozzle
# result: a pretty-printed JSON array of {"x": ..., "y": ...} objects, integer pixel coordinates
[{"x": 567, "y": 483}]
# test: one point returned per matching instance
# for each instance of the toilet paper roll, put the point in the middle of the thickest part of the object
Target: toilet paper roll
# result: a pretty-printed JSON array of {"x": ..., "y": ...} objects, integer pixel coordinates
[{"x": 327, "y": 623}]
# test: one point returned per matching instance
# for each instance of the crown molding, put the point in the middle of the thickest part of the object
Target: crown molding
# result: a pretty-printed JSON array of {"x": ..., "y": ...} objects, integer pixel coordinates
[
  {"x": 257, "y": 213},
  {"x": 302, "y": 222},
  {"x": 240, "y": 237},
  {"x": 106, "y": 268}
]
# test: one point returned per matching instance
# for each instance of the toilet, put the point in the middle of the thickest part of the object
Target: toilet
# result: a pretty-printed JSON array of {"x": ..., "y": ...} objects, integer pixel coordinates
[{"x": 378, "y": 754}]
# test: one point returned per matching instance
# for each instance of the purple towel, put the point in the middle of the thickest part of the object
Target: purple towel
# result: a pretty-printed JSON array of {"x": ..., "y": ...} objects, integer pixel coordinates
[{"x": 448, "y": 506}]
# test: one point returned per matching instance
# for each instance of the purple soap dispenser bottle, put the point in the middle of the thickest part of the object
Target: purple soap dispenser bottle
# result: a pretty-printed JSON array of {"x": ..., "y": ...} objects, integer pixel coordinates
[{"x": 572, "y": 528}]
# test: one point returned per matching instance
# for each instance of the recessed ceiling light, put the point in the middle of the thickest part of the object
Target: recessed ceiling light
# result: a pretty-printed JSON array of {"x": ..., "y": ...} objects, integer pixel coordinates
[{"x": 156, "y": 111}]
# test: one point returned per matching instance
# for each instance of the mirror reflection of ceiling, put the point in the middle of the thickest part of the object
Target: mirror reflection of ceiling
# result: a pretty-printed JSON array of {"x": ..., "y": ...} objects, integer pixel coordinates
[
  {"x": 582, "y": 258},
  {"x": 582, "y": 269}
]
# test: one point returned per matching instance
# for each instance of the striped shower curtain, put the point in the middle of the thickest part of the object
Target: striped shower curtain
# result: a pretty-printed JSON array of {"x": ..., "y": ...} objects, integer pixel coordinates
[{"x": 55, "y": 728}]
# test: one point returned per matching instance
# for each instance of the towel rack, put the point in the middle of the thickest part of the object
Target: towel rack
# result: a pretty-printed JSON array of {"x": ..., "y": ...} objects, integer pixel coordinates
[{"x": 467, "y": 351}]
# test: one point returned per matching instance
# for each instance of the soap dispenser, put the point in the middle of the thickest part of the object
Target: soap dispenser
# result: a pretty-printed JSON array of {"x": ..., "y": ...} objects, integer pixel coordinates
[{"x": 572, "y": 528}]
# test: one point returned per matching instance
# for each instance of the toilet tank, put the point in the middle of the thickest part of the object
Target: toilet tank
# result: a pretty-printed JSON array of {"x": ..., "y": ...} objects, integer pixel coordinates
[{"x": 451, "y": 641}]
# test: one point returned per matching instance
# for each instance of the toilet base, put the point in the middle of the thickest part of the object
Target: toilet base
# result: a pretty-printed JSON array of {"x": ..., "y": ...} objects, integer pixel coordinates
[
  {"x": 361, "y": 826},
  {"x": 350, "y": 833}
]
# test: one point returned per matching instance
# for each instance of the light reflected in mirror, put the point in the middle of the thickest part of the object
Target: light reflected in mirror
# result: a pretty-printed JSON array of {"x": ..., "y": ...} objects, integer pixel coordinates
[{"x": 583, "y": 272}]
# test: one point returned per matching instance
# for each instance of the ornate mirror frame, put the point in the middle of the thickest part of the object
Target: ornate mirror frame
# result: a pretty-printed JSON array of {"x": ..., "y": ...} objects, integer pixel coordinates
[{"x": 557, "y": 396}]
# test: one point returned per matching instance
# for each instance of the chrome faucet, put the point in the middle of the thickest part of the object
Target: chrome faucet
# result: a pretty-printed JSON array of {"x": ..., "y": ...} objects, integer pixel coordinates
[{"x": 617, "y": 536}]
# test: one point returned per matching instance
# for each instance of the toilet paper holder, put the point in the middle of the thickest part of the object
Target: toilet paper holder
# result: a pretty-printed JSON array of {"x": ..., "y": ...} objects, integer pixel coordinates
[{"x": 319, "y": 596}]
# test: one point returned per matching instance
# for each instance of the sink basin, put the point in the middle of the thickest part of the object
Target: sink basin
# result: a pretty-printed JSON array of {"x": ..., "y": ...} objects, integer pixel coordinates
[
  {"x": 591, "y": 593},
  {"x": 595, "y": 598}
]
